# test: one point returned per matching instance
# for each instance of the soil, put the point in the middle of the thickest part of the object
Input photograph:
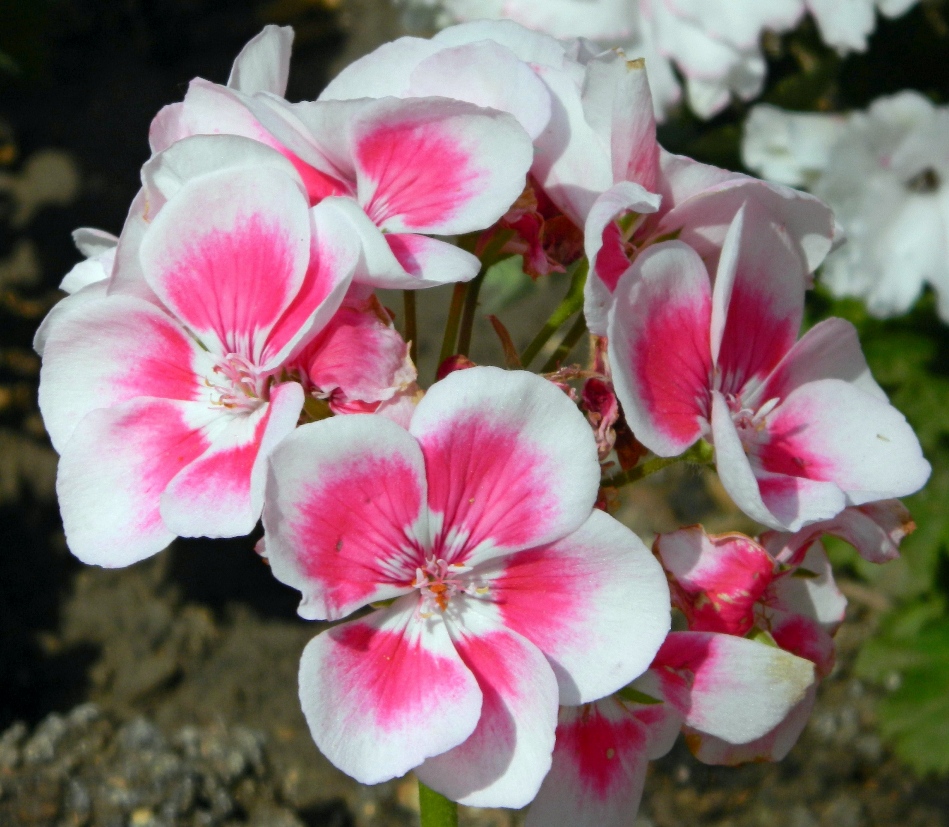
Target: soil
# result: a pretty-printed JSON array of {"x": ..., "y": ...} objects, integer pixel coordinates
[{"x": 165, "y": 694}]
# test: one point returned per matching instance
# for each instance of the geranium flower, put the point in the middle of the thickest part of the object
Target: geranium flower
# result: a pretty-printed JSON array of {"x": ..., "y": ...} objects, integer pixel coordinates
[
  {"x": 596, "y": 158},
  {"x": 503, "y": 592},
  {"x": 885, "y": 172},
  {"x": 801, "y": 430},
  {"x": 164, "y": 407},
  {"x": 401, "y": 170}
]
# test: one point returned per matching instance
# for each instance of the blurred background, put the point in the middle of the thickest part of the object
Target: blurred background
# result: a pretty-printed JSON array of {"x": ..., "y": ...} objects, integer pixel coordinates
[{"x": 165, "y": 694}]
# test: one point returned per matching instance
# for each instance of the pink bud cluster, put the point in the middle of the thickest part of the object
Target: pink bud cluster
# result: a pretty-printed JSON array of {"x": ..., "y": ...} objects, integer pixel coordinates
[{"x": 225, "y": 360}]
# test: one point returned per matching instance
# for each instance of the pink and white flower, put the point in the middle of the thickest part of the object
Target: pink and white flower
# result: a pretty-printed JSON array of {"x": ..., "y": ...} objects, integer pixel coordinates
[
  {"x": 401, "y": 170},
  {"x": 165, "y": 404},
  {"x": 504, "y": 592},
  {"x": 727, "y": 688},
  {"x": 800, "y": 429}
]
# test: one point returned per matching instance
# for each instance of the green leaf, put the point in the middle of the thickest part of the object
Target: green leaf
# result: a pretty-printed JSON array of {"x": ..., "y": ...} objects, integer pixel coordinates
[{"x": 915, "y": 717}]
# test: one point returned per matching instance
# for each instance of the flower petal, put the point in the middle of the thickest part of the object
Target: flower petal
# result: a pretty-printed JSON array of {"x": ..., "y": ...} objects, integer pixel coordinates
[
  {"x": 228, "y": 255},
  {"x": 511, "y": 463},
  {"x": 383, "y": 693},
  {"x": 829, "y": 350},
  {"x": 104, "y": 350},
  {"x": 344, "y": 513},
  {"x": 434, "y": 165},
  {"x": 830, "y": 431},
  {"x": 114, "y": 469},
  {"x": 659, "y": 347},
  {"x": 263, "y": 65},
  {"x": 758, "y": 301},
  {"x": 221, "y": 493},
  {"x": 716, "y": 579},
  {"x": 599, "y": 769},
  {"x": 741, "y": 689},
  {"x": 612, "y": 605},
  {"x": 504, "y": 761}
]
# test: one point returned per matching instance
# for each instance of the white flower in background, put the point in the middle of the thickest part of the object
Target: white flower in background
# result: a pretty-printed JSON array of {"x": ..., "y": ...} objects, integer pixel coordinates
[
  {"x": 714, "y": 44},
  {"x": 885, "y": 172},
  {"x": 846, "y": 24}
]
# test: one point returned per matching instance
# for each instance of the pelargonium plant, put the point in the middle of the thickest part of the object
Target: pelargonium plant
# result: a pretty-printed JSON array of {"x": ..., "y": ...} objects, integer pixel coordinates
[{"x": 226, "y": 359}]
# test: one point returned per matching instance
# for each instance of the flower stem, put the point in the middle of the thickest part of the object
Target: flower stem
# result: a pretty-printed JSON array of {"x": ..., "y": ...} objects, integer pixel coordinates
[
  {"x": 410, "y": 330},
  {"x": 569, "y": 342},
  {"x": 436, "y": 810},
  {"x": 451, "y": 326},
  {"x": 490, "y": 256},
  {"x": 571, "y": 303},
  {"x": 701, "y": 453}
]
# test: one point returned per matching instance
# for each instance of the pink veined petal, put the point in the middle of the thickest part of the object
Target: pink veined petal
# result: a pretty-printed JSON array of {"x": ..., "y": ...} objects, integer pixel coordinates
[
  {"x": 810, "y": 591},
  {"x": 758, "y": 301},
  {"x": 263, "y": 65},
  {"x": 612, "y": 605},
  {"x": 114, "y": 469},
  {"x": 504, "y": 761},
  {"x": 716, "y": 579},
  {"x": 358, "y": 356},
  {"x": 805, "y": 637},
  {"x": 603, "y": 246},
  {"x": 383, "y": 693},
  {"x": 380, "y": 263},
  {"x": 659, "y": 349},
  {"x": 741, "y": 689},
  {"x": 334, "y": 254},
  {"x": 345, "y": 513},
  {"x": 796, "y": 501},
  {"x": 104, "y": 350},
  {"x": 735, "y": 471},
  {"x": 829, "y": 350},
  {"x": 430, "y": 261},
  {"x": 228, "y": 256},
  {"x": 511, "y": 463},
  {"x": 489, "y": 75},
  {"x": 435, "y": 165},
  {"x": 598, "y": 772},
  {"x": 221, "y": 493},
  {"x": 830, "y": 431},
  {"x": 772, "y": 746},
  {"x": 315, "y": 138}
]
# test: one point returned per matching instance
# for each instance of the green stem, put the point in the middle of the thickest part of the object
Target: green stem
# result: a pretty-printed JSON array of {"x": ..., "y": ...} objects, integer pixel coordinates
[
  {"x": 492, "y": 255},
  {"x": 436, "y": 810},
  {"x": 571, "y": 303},
  {"x": 451, "y": 326},
  {"x": 701, "y": 453},
  {"x": 410, "y": 331},
  {"x": 569, "y": 342},
  {"x": 467, "y": 316}
]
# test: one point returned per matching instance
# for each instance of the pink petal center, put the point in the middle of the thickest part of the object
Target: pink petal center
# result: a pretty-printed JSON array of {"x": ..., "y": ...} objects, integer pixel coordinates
[
  {"x": 237, "y": 384},
  {"x": 439, "y": 581}
]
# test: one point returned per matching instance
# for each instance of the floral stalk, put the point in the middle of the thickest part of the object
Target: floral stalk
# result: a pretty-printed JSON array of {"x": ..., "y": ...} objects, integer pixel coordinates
[
  {"x": 571, "y": 303},
  {"x": 435, "y": 809}
]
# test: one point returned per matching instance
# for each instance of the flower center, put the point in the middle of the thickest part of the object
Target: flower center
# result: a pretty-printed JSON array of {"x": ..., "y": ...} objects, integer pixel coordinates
[
  {"x": 237, "y": 384},
  {"x": 750, "y": 423},
  {"x": 438, "y": 582}
]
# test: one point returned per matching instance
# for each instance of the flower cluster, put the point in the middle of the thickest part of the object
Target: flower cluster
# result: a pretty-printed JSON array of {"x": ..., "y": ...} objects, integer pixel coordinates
[
  {"x": 225, "y": 359},
  {"x": 885, "y": 173},
  {"x": 714, "y": 44}
]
